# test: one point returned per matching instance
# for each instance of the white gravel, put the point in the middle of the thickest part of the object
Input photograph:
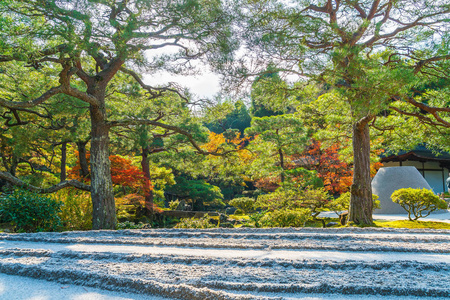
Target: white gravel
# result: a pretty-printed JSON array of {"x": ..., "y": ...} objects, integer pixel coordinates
[
  {"x": 346, "y": 263},
  {"x": 23, "y": 288}
]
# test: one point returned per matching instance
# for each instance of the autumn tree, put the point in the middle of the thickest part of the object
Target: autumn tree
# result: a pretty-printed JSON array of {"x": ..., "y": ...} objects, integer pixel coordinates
[
  {"x": 335, "y": 173},
  {"x": 84, "y": 44},
  {"x": 123, "y": 172},
  {"x": 354, "y": 47}
]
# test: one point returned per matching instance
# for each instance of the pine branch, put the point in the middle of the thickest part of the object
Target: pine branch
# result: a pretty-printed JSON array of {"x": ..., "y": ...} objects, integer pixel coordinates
[{"x": 63, "y": 184}]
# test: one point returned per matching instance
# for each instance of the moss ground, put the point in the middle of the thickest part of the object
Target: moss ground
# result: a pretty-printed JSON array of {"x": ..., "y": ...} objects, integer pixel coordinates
[{"x": 412, "y": 224}]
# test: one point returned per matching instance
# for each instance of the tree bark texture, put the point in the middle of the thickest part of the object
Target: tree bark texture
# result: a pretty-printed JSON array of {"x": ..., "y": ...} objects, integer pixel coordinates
[
  {"x": 280, "y": 154},
  {"x": 63, "y": 175},
  {"x": 82, "y": 156},
  {"x": 147, "y": 186},
  {"x": 102, "y": 194},
  {"x": 104, "y": 211},
  {"x": 361, "y": 202}
]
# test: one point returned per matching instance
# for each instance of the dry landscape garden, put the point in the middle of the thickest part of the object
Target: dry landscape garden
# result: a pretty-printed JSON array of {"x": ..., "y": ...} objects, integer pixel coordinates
[{"x": 317, "y": 171}]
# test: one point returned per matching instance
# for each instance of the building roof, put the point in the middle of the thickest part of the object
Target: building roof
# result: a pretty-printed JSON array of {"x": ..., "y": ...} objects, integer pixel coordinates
[{"x": 420, "y": 153}]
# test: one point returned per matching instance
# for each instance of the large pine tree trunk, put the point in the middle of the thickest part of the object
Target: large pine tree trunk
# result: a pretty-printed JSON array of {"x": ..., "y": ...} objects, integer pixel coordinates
[
  {"x": 361, "y": 202},
  {"x": 104, "y": 211}
]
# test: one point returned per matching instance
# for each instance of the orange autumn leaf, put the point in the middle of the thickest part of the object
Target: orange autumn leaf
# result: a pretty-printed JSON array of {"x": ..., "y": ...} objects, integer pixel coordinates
[{"x": 122, "y": 172}]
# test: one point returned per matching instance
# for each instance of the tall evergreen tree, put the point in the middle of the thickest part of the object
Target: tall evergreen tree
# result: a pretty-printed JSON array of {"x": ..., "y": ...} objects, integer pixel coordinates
[
  {"x": 357, "y": 47},
  {"x": 82, "y": 45}
]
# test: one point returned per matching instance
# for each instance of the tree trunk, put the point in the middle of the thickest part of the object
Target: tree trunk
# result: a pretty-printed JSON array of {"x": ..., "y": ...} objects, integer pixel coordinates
[
  {"x": 282, "y": 176},
  {"x": 13, "y": 167},
  {"x": 104, "y": 211},
  {"x": 82, "y": 156},
  {"x": 147, "y": 186},
  {"x": 63, "y": 175},
  {"x": 361, "y": 202}
]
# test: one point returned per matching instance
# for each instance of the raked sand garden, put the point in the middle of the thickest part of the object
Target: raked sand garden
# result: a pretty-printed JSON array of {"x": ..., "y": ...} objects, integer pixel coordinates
[{"x": 241, "y": 263}]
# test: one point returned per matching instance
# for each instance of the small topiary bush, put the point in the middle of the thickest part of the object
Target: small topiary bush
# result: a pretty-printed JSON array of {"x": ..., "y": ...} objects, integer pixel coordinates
[
  {"x": 30, "y": 212},
  {"x": 243, "y": 204},
  {"x": 419, "y": 203}
]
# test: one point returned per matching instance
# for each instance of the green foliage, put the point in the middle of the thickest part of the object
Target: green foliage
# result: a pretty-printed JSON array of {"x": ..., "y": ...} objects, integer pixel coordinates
[
  {"x": 76, "y": 213},
  {"x": 291, "y": 199},
  {"x": 30, "y": 212},
  {"x": 201, "y": 223},
  {"x": 342, "y": 203},
  {"x": 245, "y": 204},
  {"x": 130, "y": 225},
  {"x": 317, "y": 200},
  {"x": 283, "y": 131},
  {"x": 418, "y": 202},
  {"x": 133, "y": 207},
  {"x": 238, "y": 118},
  {"x": 286, "y": 218},
  {"x": 270, "y": 95},
  {"x": 276, "y": 138},
  {"x": 301, "y": 178},
  {"x": 174, "y": 204},
  {"x": 255, "y": 219},
  {"x": 199, "y": 192},
  {"x": 282, "y": 204},
  {"x": 280, "y": 199}
]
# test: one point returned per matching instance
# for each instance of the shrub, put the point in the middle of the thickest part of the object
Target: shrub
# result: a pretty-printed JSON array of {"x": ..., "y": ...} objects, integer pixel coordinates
[
  {"x": 342, "y": 203},
  {"x": 285, "y": 203},
  {"x": 173, "y": 205},
  {"x": 201, "y": 223},
  {"x": 202, "y": 194},
  {"x": 76, "y": 213},
  {"x": 317, "y": 200},
  {"x": 255, "y": 219},
  {"x": 131, "y": 225},
  {"x": 286, "y": 218},
  {"x": 30, "y": 212},
  {"x": 244, "y": 204},
  {"x": 280, "y": 199},
  {"x": 418, "y": 202},
  {"x": 132, "y": 207}
]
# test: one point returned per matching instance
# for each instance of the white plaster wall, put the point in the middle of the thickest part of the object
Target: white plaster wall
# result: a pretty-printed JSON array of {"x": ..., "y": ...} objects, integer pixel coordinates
[{"x": 434, "y": 179}]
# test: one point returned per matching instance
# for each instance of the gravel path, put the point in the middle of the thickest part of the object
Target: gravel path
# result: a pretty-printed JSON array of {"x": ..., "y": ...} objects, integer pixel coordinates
[{"x": 239, "y": 263}]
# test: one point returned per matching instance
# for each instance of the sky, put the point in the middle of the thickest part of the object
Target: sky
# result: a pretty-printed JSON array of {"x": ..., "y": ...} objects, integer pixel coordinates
[{"x": 204, "y": 86}]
